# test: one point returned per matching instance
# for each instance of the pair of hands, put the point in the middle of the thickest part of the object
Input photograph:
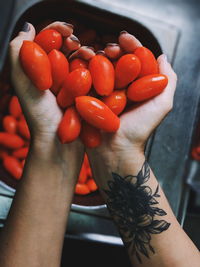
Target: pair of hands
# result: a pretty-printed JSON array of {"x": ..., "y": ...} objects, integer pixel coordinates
[{"x": 43, "y": 115}]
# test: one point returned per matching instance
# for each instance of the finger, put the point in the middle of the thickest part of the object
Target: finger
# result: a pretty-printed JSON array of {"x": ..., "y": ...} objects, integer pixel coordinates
[
  {"x": 128, "y": 42},
  {"x": 27, "y": 33},
  {"x": 113, "y": 51},
  {"x": 66, "y": 29},
  {"x": 84, "y": 52},
  {"x": 70, "y": 44}
]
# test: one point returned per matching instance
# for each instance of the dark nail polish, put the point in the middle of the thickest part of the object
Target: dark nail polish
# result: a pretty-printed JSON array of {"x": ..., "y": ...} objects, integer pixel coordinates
[
  {"x": 68, "y": 24},
  {"x": 75, "y": 39},
  {"x": 26, "y": 27},
  {"x": 122, "y": 32},
  {"x": 112, "y": 44}
]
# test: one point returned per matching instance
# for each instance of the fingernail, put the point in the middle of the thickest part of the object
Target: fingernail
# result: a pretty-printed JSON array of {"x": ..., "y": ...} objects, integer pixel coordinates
[
  {"x": 165, "y": 57},
  {"x": 26, "y": 27},
  {"x": 90, "y": 47},
  {"x": 68, "y": 24},
  {"x": 75, "y": 39},
  {"x": 122, "y": 32},
  {"x": 112, "y": 44},
  {"x": 100, "y": 52}
]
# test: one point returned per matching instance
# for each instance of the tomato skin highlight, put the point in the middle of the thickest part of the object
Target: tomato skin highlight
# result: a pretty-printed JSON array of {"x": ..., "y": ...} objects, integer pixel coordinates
[
  {"x": 10, "y": 124},
  {"x": 14, "y": 107},
  {"x": 36, "y": 65},
  {"x": 12, "y": 141},
  {"x": 77, "y": 83},
  {"x": 59, "y": 69},
  {"x": 90, "y": 136},
  {"x": 82, "y": 189},
  {"x": 49, "y": 39},
  {"x": 13, "y": 166},
  {"x": 147, "y": 87},
  {"x": 103, "y": 74},
  {"x": 96, "y": 113},
  {"x": 70, "y": 126},
  {"x": 149, "y": 64},
  {"x": 127, "y": 70},
  {"x": 77, "y": 63},
  {"x": 116, "y": 101}
]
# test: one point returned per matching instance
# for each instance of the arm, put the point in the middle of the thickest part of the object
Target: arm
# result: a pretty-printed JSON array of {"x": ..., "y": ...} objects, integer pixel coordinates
[
  {"x": 34, "y": 230},
  {"x": 136, "y": 202}
]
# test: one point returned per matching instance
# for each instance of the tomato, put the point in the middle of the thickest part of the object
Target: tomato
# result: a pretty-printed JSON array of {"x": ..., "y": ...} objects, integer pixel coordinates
[
  {"x": 10, "y": 124},
  {"x": 70, "y": 126},
  {"x": 23, "y": 129},
  {"x": 82, "y": 189},
  {"x": 59, "y": 69},
  {"x": 23, "y": 163},
  {"x": 82, "y": 175},
  {"x": 3, "y": 153},
  {"x": 36, "y": 65},
  {"x": 49, "y": 39},
  {"x": 14, "y": 107},
  {"x": 127, "y": 70},
  {"x": 86, "y": 161},
  {"x": 90, "y": 136},
  {"x": 77, "y": 83},
  {"x": 103, "y": 74},
  {"x": 20, "y": 153},
  {"x": 149, "y": 64},
  {"x": 13, "y": 166},
  {"x": 12, "y": 141},
  {"x": 116, "y": 101},
  {"x": 147, "y": 87},
  {"x": 77, "y": 63},
  {"x": 96, "y": 113},
  {"x": 195, "y": 154},
  {"x": 91, "y": 185}
]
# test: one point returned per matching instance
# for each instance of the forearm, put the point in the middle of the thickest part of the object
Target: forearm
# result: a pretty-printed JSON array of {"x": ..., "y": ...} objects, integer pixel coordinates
[
  {"x": 34, "y": 230},
  {"x": 147, "y": 225}
]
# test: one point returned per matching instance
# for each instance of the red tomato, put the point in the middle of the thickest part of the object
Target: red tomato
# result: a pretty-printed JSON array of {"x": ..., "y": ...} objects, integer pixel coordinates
[
  {"x": 149, "y": 64},
  {"x": 91, "y": 185},
  {"x": 116, "y": 101},
  {"x": 70, "y": 126},
  {"x": 59, "y": 69},
  {"x": 12, "y": 141},
  {"x": 3, "y": 153},
  {"x": 96, "y": 113},
  {"x": 49, "y": 39},
  {"x": 14, "y": 107},
  {"x": 147, "y": 87},
  {"x": 20, "y": 153},
  {"x": 86, "y": 161},
  {"x": 77, "y": 83},
  {"x": 90, "y": 136},
  {"x": 127, "y": 70},
  {"x": 195, "y": 154},
  {"x": 103, "y": 74},
  {"x": 23, "y": 163},
  {"x": 9, "y": 124},
  {"x": 13, "y": 166},
  {"x": 77, "y": 63},
  {"x": 82, "y": 175},
  {"x": 36, "y": 65},
  {"x": 23, "y": 129},
  {"x": 82, "y": 189}
]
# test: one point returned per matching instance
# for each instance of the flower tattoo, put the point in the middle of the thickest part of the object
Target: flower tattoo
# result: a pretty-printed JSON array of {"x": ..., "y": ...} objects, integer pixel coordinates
[{"x": 132, "y": 205}]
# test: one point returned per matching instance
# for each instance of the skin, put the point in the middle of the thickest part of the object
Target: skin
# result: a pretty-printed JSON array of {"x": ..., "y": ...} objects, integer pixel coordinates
[{"x": 40, "y": 209}]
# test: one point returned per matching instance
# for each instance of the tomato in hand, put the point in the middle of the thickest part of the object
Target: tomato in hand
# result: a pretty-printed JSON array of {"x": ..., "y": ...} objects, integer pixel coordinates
[
  {"x": 10, "y": 124},
  {"x": 20, "y": 153},
  {"x": 14, "y": 107},
  {"x": 59, "y": 69},
  {"x": 116, "y": 101},
  {"x": 12, "y": 141},
  {"x": 77, "y": 63},
  {"x": 96, "y": 113},
  {"x": 22, "y": 128},
  {"x": 149, "y": 64},
  {"x": 91, "y": 185},
  {"x": 70, "y": 126},
  {"x": 90, "y": 136},
  {"x": 36, "y": 65},
  {"x": 127, "y": 70},
  {"x": 13, "y": 166},
  {"x": 82, "y": 189},
  {"x": 147, "y": 87},
  {"x": 82, "y": 175},
  {"x": 77, "y": 83},
  {"x": 103, "y": 74},
  {"x": 49, "y": 39}
]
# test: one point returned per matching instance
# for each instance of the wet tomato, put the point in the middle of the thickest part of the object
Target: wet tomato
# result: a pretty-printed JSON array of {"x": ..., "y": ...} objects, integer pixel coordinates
[{"x": 116, "y": 101}]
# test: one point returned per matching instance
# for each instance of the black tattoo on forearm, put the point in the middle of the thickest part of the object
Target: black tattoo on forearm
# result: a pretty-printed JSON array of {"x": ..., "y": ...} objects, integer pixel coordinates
[{"x": 132, "y": 205}]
